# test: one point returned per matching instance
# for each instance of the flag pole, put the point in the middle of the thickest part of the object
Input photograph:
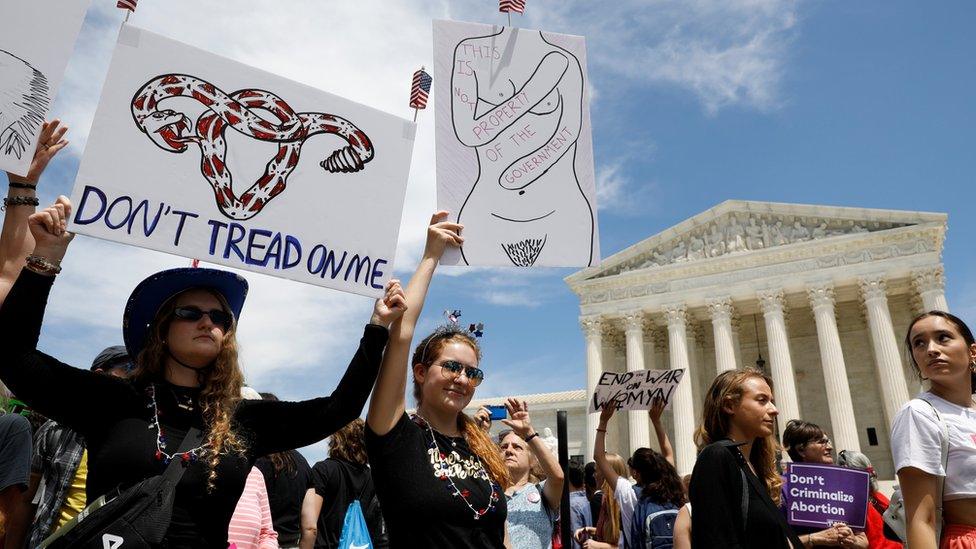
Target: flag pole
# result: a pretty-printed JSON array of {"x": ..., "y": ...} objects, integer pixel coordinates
[
  {"x": 415, "y": 114},
  {"x": 509, "y": 18}
]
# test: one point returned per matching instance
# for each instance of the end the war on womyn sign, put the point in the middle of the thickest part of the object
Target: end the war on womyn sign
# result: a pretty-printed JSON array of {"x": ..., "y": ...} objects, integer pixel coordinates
[
  {"x": 635, "y": 390},
  {"x": 200, "y": 156}
]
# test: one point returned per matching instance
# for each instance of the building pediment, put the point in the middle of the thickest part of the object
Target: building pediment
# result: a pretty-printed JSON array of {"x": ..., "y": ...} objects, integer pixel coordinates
[{"x": 738, "y": 228}]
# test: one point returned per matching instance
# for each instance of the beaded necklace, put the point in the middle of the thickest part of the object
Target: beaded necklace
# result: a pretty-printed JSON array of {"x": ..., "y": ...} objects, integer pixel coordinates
[
  {"x": 187, "y": 457},
  {"x": 441, "y": 463}
]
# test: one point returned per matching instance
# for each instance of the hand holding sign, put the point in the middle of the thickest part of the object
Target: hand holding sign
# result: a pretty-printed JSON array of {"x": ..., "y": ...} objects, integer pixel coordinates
[
  {"x": 637, "y": 390},
  {"x": 49, "y": 228},
  {"x": 50, "y": 142},
  {"x": 391, "y": 306}
]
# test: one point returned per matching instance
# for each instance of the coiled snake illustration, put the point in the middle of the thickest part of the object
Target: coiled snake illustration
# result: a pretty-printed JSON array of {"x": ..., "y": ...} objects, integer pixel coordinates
[{"x": 170, "y": 131}]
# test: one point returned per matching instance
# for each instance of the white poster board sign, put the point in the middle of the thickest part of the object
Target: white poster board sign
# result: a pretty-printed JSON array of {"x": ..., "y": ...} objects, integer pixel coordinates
[
  {"x": 514, "y": 151},
  {"x": 36, "y": 40},
  {"x": 200, "y": 156},
  {"x": 635, "y": 390}
]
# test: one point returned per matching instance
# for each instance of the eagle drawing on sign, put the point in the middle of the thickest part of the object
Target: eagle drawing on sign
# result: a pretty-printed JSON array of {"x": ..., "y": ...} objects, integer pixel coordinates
[{"x": 24, "y": 100}]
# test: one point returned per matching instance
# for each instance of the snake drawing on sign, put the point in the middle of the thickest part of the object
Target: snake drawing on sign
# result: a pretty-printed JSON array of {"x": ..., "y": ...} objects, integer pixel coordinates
[
  {"x": 171, "y": 130},
  {"x": 517, "y": 100},
  {"x": 24, "y": 99}
]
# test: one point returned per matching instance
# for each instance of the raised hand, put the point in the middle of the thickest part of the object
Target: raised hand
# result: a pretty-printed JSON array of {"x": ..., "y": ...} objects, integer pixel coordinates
[
  {"x": 483, "y": 418},
  {"x": 49, "y": 143},
  {"x": 391, "y": 306},
  {"x": 518, "y": 418},
  {"x": 441, "y": 234},
  {"x": 657, "y": 409},
  {"x": 607, "y": 412}
]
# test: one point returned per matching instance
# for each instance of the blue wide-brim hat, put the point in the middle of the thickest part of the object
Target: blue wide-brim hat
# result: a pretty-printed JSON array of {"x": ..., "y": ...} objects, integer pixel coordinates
[{"x": 154, "y": 291}]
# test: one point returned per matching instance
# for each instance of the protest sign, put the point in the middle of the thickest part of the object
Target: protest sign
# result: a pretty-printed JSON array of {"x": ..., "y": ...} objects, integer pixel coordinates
[
  {"x": 514, "y": 151},
  {"x": 200, "y": 156},
  {"x": 820, "y": 495},
  {"x": 635, "y": 390},
  {"x": 36, "y": 40}
]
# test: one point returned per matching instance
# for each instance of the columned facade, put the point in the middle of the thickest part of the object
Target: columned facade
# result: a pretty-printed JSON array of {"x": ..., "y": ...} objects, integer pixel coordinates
[{"x": 818, "y": 296}]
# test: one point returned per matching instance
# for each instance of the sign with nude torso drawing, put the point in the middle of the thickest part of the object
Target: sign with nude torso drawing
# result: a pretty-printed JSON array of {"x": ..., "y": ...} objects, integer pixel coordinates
[
  {"x": 36, "y": 40},
  {"x": 514, "y": 152},
  {"x": 197, "y": 155}
]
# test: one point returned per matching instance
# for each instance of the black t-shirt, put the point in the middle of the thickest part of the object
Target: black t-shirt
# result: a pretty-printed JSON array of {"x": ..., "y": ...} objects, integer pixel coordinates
[
  {"x": 339, "y": 482},
  {"x": 114, "y": 416},
  {"x": 286, "y": 490},
  {"x": 716, "y": 505},
  {"x": 421, "y": 509}
]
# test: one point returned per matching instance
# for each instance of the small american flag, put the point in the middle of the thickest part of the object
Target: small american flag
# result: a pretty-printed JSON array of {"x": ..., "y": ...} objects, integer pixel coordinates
[
  {"x": 508, "y": 6},
  {"x": 419, "y": 89},
  {"x": 127, "y": 4}
]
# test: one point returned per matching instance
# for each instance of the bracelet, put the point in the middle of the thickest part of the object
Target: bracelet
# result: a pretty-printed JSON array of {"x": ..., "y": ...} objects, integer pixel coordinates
[
  {"x": 42, "y": 265},
  {"x": 17, "y": 185},
  {"x": 601, "y": 430},
  {"x": 532, "y": 436},
  {"x": 20, "y": 201}
]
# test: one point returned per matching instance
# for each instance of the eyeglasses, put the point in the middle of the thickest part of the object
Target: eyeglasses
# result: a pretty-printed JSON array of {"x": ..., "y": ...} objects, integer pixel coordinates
[
  {"x": 823, "y": 442},
  {"x": 218, "y": 317},
  {"x": 453, "y": 368}
]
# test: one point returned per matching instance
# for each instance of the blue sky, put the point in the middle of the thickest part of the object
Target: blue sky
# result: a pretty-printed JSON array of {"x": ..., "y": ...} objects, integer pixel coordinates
[{"x": 866, "y": 104}]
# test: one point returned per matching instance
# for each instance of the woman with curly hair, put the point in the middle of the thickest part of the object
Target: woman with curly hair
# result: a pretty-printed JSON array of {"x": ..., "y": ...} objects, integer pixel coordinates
[
  {"x": 181, "y": 326},
  {"x": 440, "y": 479},
  {"x": 735, "y": 486},
  {"x": 336, "y": 482}
]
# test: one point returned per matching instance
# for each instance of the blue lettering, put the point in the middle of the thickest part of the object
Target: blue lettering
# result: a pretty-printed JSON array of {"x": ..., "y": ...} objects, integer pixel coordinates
[
  {"x": 292, "y": 243},
  {"x": 214, "y": 232},
  {"x": 377, "y": 273},
  {"x": 252, "y": 245},
  {"x": 311, "y": 256},
  {"x": 111, "y": 208},
  {"x": 179, "y": 228},
  {"x": 234, "y": 236},
  {"x": 359, "y": 262},
  {"x": 147, "y": 229},
  {"x": 330, "y": 259},
  {"x": 102, "y": 199}
]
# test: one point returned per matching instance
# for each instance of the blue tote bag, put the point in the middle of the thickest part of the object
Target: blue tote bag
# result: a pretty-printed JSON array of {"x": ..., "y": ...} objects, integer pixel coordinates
[{"x": 355, "y": 535}]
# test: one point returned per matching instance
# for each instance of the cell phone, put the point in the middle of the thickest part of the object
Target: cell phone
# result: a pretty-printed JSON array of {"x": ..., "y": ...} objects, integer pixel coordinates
[{"x": 497, "y": 412}]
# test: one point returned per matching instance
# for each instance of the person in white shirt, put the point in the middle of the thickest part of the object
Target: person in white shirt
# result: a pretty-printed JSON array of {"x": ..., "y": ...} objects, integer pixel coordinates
[{"x": 943, "y": 352}]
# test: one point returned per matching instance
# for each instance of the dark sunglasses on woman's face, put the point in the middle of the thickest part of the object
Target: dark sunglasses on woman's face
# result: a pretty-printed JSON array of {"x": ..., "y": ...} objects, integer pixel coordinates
[
  {"x": 218, "y": 317},
  {"x": 454, "y": 368}
]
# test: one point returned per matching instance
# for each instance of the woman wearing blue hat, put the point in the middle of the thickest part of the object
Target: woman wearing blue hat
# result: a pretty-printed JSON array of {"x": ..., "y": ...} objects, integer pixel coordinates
[{"x": 179, "y": 325}]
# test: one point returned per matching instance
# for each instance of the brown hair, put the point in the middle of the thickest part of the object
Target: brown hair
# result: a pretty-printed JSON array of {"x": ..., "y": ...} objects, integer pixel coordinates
[
  {"x": 964, "y": 331},
  {"x": 727, "y": 388},
  {"x": 426, "y": 353},
  {"x": 610, "y": 532},
  {"x": 221, "y": 383},
  {"x": 347, "y": 443},
  {"x": 659, "y": 479},
  {"x": 798, "y": 434}
]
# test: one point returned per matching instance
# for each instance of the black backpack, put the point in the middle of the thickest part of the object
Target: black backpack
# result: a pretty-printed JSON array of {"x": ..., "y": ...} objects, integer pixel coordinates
[
  {"x": 371, "y": 507},
  {"x": 135, "y": 518}
]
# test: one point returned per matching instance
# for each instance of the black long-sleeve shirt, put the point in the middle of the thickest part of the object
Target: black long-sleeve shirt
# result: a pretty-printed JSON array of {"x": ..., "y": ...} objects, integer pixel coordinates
[
  {"x": 114, "y": 417},
  {"x": 716, "y": 506}
]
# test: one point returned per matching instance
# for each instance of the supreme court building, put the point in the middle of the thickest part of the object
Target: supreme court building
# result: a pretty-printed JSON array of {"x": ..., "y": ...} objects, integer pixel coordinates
[{"x": 819, "y": 296}]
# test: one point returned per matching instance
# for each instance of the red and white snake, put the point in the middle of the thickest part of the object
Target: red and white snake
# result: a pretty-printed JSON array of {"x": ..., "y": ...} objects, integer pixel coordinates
[{"x": 170, "y": 130}]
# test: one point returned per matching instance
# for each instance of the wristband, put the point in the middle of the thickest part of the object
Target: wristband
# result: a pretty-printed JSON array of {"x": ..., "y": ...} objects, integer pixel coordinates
[
  {"x": 42, "y": 265},
  {"x": 20, "y": 201},
  {"x": 532, "y": 436},
  {"x": 17, "y": 185},
  {"x": 598, "y": 430}
]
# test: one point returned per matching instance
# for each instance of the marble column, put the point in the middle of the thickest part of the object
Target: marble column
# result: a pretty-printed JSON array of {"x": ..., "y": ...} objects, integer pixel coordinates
[
  {"x": 593, "y": 329},
  {"x": 780, "y": 362},
  {"x": 834, "y": 370},
  {"x": 720, "y": 309},
  {"x": 736, "y": 340},
  {"x": 682, "y": 407},
  {"x": 894, "y": 388},
  {"x": 640, "y": 434},
  {"x": 930, "y": 285}
]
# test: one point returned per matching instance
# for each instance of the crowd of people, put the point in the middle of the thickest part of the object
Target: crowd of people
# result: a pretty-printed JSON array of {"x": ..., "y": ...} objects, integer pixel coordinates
[{"x": 171, "y": 403}]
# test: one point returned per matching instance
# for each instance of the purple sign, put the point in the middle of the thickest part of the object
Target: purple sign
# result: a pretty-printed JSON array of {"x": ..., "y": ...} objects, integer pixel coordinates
[{"x": 820, "y": 495}]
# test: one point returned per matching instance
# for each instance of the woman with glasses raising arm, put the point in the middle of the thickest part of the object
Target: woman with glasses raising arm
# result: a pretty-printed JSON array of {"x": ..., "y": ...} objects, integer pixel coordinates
[{"x": 439, "y": 478}]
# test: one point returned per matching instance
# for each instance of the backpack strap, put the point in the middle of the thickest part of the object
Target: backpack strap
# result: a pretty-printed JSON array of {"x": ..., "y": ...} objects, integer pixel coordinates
[
  {"x": 940, "y": 480},
  {"x": 174, "y": 471},
  {"x": 744, "y": 504}
]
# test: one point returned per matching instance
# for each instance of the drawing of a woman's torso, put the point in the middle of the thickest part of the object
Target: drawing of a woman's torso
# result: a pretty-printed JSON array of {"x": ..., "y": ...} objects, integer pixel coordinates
[{"x": 518, "y": 101}]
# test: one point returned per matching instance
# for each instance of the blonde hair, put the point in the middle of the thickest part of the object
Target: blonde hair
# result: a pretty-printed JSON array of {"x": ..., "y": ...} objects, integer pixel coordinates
[
  {"x": 715, "y": 425},
  {"x": 480, "y": 443},
  {"x": 221, "y": 383},
  {"x": 611, "y": 525}
]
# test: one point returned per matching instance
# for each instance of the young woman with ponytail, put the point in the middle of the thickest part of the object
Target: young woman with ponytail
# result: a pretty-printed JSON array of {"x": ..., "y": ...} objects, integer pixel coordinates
[
  {"x": 439, "y": 477},
  {"x": 735, "y": 486}
]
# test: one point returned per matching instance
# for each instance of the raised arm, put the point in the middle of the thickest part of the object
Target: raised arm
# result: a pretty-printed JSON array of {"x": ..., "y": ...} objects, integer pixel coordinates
[
  {"x": 15, "y": 239},
  {"x": 519, "y": 422},
  {"x": 657, "y": 409},
  {"x": 474, "y": 131},
  {"x": 388, "y": 403},
  {"x": 600, "y": 445}
]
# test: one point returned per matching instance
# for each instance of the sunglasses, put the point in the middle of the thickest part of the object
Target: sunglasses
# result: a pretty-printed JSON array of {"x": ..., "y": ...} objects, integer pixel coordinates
[
  {"x": 218, "y": 317},
  {"x": 453, "y": 368}
]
